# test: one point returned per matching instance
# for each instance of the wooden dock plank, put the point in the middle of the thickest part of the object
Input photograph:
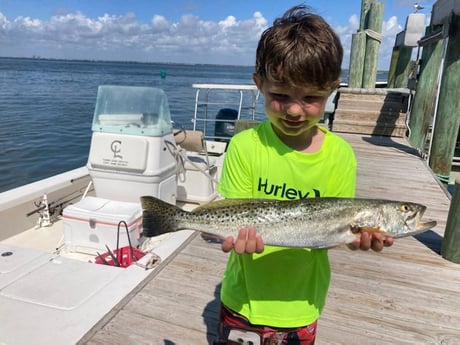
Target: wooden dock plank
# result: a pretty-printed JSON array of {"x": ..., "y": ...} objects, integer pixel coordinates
[{"x": 407, "y": 294}]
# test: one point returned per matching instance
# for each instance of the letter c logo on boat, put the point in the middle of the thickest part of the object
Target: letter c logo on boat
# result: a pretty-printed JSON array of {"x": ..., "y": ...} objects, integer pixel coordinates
[{"x": 116, "y": 149}]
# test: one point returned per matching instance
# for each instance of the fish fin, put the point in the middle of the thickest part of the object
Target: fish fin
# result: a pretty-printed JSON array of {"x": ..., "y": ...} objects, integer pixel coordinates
[
  {"x": 158, "y": 217},
  {"x": 212, "y": 238},
  {"x": 329, "y": 246},
  {"x": 373, "y": 230},
  {"x": 356, "y": 229},
  {"x": 218, "y": 204}
]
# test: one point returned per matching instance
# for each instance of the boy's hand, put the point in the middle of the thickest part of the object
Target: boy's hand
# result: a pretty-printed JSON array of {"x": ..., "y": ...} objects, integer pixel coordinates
[
  {"x": 247, "y": 242},
  {"x": 374, "y": 241}
]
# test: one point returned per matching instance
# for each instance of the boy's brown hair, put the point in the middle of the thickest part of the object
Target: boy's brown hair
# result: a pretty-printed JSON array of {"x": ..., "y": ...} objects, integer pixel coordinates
[{"x": 300, "y": 49}]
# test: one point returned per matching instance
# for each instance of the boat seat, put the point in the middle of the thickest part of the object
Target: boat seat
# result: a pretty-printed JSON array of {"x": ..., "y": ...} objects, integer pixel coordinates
[
  {"x": 197, "y": 175},
  {"x": 190, "y": 140}
]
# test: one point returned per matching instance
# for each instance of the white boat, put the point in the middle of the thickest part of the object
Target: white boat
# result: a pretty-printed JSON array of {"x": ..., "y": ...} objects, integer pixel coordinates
[{"x": 57, "y": 278}]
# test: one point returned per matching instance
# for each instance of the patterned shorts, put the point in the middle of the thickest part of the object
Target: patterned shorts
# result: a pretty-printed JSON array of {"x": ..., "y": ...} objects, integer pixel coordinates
[{"x": 236, "y": 329}]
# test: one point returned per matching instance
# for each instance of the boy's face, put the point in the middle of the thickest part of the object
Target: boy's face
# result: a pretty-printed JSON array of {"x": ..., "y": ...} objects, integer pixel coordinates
[{"x": 292, "y": 110}]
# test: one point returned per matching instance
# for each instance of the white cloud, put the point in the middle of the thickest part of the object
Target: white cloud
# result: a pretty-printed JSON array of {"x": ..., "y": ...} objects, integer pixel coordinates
[
  {"x": 3, "y": 22},
  {"x": 390, "y": 29},
  {"x": 160, "y": 23},
  {"x": 259, "y": 19},
  {"x": 228, "y": 41},
  {"x": 29, "y": 22},
  {"x": 229, "y": 21}
]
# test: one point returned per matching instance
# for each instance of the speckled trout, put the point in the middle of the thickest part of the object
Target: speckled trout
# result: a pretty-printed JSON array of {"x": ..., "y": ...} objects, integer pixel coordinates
[{"x": 306, "y": 223}]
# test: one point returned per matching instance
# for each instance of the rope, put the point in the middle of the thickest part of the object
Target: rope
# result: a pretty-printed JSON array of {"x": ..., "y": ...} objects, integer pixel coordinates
[
  {"x": 181, "y": 158},
  {"x": 374, "y": 35}
]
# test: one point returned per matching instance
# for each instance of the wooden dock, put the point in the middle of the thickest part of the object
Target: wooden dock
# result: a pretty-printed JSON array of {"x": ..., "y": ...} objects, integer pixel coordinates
[{"x": 407, "y": 294}]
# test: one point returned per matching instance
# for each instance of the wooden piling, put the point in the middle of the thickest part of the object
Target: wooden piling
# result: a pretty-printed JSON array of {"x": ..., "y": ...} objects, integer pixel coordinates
[
  {"x": 392, "y": 69},
  {"x": 451, "y": 244},
  {"x": 424, "y": 103},
  {"x": 372, "y": 45},
  {"x": 402, "y": 69},
  {"x": 365, "y": 46},
  {"x": 447, "y": 121},
  {"x": 357, "y": 54},
  {"x": 364, "y": 19}
]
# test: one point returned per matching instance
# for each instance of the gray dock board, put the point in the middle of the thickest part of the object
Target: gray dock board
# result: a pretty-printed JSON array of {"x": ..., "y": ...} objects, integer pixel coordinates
[{"x": 407, "y": 294}]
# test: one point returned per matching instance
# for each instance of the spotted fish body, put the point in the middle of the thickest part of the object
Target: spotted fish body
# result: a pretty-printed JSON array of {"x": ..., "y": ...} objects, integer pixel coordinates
[{"x": 306, "y": 223}]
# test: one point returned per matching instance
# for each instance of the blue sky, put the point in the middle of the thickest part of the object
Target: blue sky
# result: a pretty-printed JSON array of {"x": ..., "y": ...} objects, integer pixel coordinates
[{"x": 190, "y": 31}]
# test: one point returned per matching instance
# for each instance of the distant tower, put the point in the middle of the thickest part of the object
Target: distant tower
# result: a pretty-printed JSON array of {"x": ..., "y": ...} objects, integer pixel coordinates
[{"x": 418, "y": 7}]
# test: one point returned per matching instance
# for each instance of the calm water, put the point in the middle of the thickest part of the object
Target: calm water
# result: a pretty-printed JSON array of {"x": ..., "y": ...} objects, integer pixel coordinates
[{"x": 46, "y": 108}]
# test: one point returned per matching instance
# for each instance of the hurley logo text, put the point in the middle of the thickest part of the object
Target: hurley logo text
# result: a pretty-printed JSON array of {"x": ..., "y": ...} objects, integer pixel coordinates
[{"x": 283, "y": 191}]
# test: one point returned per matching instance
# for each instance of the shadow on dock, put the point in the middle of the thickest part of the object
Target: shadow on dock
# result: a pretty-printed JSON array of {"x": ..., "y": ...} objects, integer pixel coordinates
[
  {"x": 379, "y": 140},
  {"x": 210, "y": 315},
  {"x": 431, "y": 240}
]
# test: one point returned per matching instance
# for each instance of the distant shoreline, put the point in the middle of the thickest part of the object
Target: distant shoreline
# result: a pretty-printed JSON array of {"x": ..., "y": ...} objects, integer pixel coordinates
[
  {"x": 344, "y": 70},
  {"x": 118, "y": 61}
]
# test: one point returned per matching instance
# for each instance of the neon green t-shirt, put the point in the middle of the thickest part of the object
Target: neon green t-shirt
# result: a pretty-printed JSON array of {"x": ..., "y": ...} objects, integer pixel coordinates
[{"x": 282, "y": 287}]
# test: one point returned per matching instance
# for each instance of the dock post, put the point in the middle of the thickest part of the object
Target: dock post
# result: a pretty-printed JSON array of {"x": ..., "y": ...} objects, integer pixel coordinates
[
  {"x": 403, "y": 68},
  {"x": 365, "y": 46},
  {"x": 447, "y": 120},
  {"x": 392, "y": 68},
  {"x": 364, "y": 16},
  {"x": 451, "y": 244},
  {"x": 357, "y": 54},
  {"x": 424, "y": 104},
  {"x": 373, "y": 44},
  {"x": 358, "y": 48}
]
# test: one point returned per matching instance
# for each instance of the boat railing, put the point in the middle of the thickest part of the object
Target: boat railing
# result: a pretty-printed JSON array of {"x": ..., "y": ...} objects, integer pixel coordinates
[{"x": 218, "y": 106}]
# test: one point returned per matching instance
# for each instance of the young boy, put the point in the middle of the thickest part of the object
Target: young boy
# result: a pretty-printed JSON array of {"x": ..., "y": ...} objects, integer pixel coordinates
[{"x": 271, "y": 294}]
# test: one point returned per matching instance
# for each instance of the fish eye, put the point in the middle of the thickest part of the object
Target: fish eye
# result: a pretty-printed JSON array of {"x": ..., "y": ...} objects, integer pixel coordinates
[{"x": 404, "y": 208}]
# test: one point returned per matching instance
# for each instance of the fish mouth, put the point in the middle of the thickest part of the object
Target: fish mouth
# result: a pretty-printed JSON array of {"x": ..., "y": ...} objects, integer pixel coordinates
[
  {"x": 422, "y": 226},
  {"x": 418, "y": 212},
  {"x": 413, "y": 216}
]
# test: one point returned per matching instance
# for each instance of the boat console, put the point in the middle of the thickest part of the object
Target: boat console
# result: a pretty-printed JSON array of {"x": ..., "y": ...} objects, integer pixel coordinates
[{"x": 129, "y": 155}]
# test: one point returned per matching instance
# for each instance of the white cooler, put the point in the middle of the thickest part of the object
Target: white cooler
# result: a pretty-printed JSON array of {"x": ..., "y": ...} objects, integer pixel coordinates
[{"x": 91, "y": 224}]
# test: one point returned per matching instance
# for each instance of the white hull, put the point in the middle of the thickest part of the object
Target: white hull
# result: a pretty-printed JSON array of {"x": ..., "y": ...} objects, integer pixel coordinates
[{"x": 51, "y": 297}]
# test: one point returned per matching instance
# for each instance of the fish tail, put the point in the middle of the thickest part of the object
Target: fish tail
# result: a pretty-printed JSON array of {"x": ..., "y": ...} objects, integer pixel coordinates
[{"x": 158, "y": 217}]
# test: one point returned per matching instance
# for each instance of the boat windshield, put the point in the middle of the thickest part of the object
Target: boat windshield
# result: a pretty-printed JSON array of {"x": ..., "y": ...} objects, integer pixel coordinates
[{"x": 132, "y": 110}]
